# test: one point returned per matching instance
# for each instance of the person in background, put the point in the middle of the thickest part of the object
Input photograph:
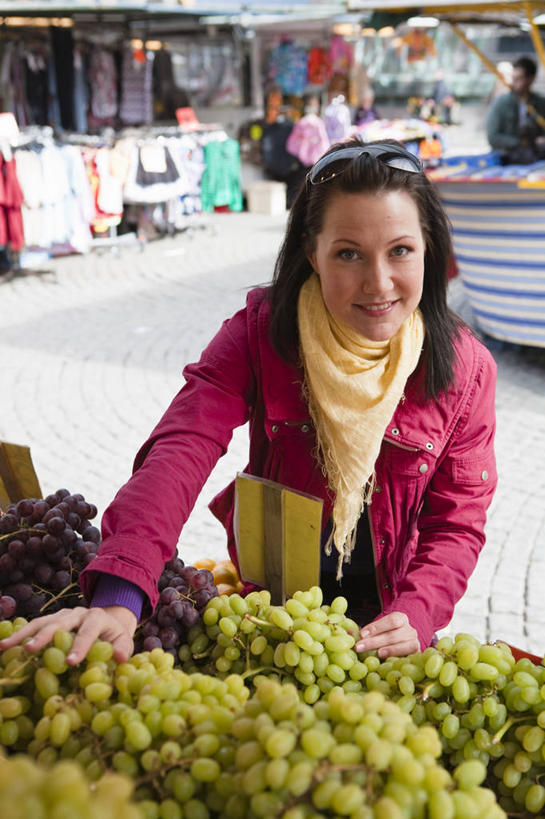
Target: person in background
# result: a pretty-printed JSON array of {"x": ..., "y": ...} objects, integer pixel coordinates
[
  {"x": 361, "y": 388},
  {"x": 512, "y": 127},
  {"x": 366, "y": 111}
]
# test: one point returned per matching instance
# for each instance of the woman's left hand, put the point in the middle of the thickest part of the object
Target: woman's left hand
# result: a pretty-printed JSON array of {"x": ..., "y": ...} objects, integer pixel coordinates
[{"x": 391, "y": 635}]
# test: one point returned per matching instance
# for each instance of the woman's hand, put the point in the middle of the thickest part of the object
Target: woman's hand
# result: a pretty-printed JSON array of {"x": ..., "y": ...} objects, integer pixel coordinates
[
  {"x": 116, "y": 624},
  {"x": 392, "y": 635}
]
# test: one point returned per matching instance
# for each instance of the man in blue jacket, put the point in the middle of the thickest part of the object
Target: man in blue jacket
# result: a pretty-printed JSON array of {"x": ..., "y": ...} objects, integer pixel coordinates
[{"x": 512, "y": 127}]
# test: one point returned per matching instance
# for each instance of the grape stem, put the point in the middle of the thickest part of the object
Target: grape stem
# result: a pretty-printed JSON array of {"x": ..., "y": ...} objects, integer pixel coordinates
[
  {"x": 263, "y": 668},
  {"x": 57, "y": 596},
  {"x": 257, "y": 620},
  {"x": 24, "y": 531},
  {"x": 505, "y": 727}
]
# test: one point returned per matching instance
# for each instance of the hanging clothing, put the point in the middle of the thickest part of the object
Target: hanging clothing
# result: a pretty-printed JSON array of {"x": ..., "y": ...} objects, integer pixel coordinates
[
  {"x": 11, "y": 200},
  {"x": 62, "y": 46},
  {"x": 103, "y": 84},
  {"x": 220, "y": 184},
  {"x": 308, "y": 140},
  {"x": 319, "y": 66},
  {"x": 136, "y": 105},
  {"x": 337, "y": 120},
  {"x": 288, "y": 67}
]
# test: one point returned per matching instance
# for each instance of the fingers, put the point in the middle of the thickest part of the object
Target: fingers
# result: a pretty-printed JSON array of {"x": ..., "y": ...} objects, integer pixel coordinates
[
  {"x": 400, "y": 649},
  {"x": 123, "y": 648},
  {"x": 93, "y": 625},
  {"x": 42, "y": 630}
]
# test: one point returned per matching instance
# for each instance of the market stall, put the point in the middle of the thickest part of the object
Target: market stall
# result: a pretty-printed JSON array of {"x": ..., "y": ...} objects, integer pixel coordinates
[{"x": 496, "y": 210}]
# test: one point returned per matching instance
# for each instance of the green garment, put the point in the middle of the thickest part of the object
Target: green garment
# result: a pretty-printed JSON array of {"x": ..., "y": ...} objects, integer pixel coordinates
[
  {"x": 220, "y": 183},
  {"x": 502, "y": 126}
]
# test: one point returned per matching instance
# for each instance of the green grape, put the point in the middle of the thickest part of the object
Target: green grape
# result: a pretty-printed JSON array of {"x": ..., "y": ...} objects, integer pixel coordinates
[
  {"x": 533, "y": 739},
  {"x": 483, "y": 671},
  {"x": 55, "y": 660},
  {"x": 433, "y": 666},
  {"x": 205, "y": 770},
  {"x": 460, "y": 690},
  {"x": 534, "y": 800}
]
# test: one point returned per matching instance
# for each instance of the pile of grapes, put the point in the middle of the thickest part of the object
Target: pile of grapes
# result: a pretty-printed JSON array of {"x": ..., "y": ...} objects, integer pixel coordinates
[
  {"x": 44, "y": 545},
  {"x": 198, "y": 746},
  {"x": 30, "y": 790},
  {"x": 184, "y": 593}
]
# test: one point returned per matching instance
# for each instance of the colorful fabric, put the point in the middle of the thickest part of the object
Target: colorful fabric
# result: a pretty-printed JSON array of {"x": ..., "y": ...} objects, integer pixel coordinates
[
  {"x": 308, "y": 140},
  {"x": 288, "y": 67}
]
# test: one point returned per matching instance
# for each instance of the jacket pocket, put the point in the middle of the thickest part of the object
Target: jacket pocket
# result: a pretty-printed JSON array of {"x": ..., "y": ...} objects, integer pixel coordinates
[{"x": 474, "y": 472}]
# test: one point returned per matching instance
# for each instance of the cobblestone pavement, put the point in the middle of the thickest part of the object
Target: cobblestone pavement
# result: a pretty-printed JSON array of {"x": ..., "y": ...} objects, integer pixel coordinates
[{"x": 92, "y": 351}]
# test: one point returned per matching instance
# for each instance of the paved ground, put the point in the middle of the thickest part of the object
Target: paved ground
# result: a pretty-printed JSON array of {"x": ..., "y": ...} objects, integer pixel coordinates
[{"x": 92, "y": 350}]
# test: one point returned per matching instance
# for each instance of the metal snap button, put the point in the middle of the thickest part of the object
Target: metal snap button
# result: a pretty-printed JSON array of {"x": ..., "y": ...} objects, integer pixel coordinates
[
  {"x": 395, "y": 431},
  {"x": 274, "y": 428},
  {"x": 484, "y": 474},
  {"x": 305, "y": 428},
  {"x": 423, "y": 468},
  {"x": 381, "y": 540},
  {"x": 429, "y": 445},
  {"x": 378, "y": 488}
]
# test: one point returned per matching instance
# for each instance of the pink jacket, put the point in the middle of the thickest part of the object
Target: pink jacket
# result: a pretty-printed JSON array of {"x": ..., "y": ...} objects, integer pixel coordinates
[{"x": 435, "y": 475}]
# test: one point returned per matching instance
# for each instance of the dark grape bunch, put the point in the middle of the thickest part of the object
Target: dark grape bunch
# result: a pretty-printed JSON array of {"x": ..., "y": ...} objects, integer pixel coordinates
[
  {"x": 184, "y": 593},
  {"x": 44, "y": 545}
]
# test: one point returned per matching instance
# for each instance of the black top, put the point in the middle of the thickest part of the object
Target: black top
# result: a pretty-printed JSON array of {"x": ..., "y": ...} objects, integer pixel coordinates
[{"x": 358, "y": 583}]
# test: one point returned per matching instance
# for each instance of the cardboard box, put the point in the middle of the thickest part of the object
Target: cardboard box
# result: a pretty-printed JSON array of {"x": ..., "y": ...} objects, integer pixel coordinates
[{"x": 266, "y": 197}]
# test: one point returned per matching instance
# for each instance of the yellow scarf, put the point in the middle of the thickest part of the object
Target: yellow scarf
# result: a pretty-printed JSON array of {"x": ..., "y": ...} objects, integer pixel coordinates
[{"x": 353, "y": 386}]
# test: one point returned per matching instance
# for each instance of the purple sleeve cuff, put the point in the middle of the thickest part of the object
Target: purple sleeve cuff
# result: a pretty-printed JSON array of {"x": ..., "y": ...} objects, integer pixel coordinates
[{"x": 115, "y": 591}]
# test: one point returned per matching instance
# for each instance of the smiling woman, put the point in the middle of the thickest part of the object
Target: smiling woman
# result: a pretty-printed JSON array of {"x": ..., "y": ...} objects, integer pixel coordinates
[{"x": 362, "y": 389}]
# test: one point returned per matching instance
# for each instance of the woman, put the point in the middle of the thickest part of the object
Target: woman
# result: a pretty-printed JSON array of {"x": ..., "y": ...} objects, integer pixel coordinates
[{"x": 361, "y": 388}]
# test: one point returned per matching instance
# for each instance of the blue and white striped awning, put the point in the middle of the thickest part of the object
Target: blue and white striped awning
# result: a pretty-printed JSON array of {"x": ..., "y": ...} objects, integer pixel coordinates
[{"x": 499, "y": 242}]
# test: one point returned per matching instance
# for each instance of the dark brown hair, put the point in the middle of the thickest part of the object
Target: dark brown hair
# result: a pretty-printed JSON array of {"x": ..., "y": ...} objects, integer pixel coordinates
[{"x": 365, "y": 174}]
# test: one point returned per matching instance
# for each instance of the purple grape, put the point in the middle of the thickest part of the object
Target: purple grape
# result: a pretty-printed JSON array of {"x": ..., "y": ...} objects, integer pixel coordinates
[
  {"x": 41, "y": 508},
  {"x": 7, "y": 607},
  {"x": 203, "y": 596},
  {"x": 92, "y": 534},
  {"x": 22, "y": 592},
  {"x": 150, "y": 629},
  {"x": 43, "y": 574},
  {"x": 50, "y": 543},
  {"x": 51, "y": 500},
  {"x": 202, "y": 579},
  {"x": 188, "y": 573},
  {"x": 169, "y": 638},
  {"x": 34, "y": 604},
  {"x": 69, "y": 537},
  {"x": 83, "y": 509},
  {"x": 152, "y": 642},
  {"x": 16, "y": 576},
  {"x": 180, "y": 585},
  {"x": 73, "y": 520},
  {"x": 164, "y": 619},
  {"x": 16, "y": 549},
  {"x": 62, "y": 493},
  {"x": 7, "y": 564},
  {"x": 39, "y": 527},
  {"x": 190, "y": 616},
  {"x": 24, "y": 508},
  {"x": 168, "y": 595},
  {"x": 176, "y": 609},
  {"x": 8, "y": 523},
  {"x": 175, "y": 564},
  {"x": 88, "y": 558},
  {"x": 93, "y": 511},
  {"x": 56, "y": 525}
]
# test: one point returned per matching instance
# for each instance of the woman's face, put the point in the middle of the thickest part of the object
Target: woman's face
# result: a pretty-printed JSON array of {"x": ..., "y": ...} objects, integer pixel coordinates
[{"x": 370, "y": 260}]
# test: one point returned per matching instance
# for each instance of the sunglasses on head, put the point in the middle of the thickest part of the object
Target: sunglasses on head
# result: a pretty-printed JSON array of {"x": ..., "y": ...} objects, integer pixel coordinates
[{"x": 392, "y": 155}]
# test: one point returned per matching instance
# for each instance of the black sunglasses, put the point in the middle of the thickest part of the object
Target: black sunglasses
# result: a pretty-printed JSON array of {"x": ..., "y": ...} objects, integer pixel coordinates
[{"x": 392, "y": 155}]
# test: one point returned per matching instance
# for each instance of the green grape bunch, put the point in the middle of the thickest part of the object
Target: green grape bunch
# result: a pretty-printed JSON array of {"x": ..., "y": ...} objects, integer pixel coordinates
[{"x": 305, "y": 641}]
